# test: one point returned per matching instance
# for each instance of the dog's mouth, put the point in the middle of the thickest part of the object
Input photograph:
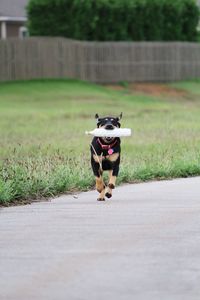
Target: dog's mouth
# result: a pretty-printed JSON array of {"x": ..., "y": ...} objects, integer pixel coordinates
[
  {"x": 108, "y": 127},
  {"x": 108, "y": 139}
]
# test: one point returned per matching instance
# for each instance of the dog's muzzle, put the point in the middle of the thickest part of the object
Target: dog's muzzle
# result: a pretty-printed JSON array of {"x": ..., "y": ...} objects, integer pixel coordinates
[{"x": 109, "y": 127}]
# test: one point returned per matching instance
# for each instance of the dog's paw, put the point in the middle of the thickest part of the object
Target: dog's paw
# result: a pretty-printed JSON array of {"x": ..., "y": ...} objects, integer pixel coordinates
[
  {"x": 111, "y": 186},
  {"x": 108, "y": 195},
  {"x": 100, "y": 199}
]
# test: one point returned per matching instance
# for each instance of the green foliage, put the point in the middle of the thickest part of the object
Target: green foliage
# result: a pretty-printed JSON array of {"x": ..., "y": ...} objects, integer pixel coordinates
[{"x": 115, "y": 20}]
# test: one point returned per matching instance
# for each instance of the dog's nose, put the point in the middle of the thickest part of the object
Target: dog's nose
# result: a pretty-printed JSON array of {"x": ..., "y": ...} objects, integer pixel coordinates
[{"x": 109, "y": 126}]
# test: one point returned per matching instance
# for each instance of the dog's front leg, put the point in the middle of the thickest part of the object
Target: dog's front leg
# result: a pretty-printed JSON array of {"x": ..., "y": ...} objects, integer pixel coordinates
[
  {"x": 100, "y": 186},
  {"x": 102, "y": 195},
  {"x": 111, "y": 184},
  {"x": 115, "y": 158},
  {"x": 112, "y": 181}
]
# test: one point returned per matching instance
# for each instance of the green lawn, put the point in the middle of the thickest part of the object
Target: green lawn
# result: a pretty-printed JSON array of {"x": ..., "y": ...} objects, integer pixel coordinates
[{"x": 44, "y": 150}]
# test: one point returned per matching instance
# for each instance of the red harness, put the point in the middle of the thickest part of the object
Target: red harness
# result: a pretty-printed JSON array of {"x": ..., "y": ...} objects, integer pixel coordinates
[{"x": 106, "y": 147}]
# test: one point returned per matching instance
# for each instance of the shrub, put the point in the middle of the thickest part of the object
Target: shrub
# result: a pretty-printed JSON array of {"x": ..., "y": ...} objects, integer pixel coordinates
[{"x": 115, "y": 20}]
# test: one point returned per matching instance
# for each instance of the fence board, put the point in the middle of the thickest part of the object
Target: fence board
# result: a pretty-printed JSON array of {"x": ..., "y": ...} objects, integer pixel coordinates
[{"x": 103, "y": 62}]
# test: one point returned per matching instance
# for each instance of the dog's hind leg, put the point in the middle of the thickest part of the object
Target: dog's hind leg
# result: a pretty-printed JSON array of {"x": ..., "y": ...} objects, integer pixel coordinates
[{"x": 108, "y": 193}]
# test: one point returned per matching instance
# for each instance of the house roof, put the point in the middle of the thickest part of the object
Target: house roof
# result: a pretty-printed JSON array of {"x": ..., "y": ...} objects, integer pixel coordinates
[{"x": 13, "y": 8}]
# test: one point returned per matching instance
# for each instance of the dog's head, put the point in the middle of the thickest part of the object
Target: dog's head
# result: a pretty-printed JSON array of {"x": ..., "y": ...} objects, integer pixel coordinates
[{"x": 108, "y": 123}]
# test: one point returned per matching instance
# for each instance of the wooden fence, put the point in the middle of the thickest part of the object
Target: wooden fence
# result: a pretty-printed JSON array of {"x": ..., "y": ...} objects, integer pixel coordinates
[{"x": 103, "y": 62}]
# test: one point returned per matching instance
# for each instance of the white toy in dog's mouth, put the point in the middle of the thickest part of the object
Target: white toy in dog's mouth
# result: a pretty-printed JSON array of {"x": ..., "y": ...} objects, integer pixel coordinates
[{"x": 116, "y": 132}]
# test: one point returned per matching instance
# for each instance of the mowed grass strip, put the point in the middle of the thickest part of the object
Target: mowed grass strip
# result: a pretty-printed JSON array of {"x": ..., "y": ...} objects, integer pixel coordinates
[{"x": 44, "y": 150}]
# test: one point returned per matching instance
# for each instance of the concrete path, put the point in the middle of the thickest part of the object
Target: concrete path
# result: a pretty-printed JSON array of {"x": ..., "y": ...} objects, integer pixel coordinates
[{"x": 142, "y": 244}]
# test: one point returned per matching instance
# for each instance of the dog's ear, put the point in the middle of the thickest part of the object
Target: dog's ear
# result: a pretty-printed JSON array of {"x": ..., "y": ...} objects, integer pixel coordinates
[
  {"x": 119, "y": 118},
  {"x": 97, "y": 119}
]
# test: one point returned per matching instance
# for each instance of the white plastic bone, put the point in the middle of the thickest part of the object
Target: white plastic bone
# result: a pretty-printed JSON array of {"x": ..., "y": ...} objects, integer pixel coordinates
[{"x": 116, "y": 132}]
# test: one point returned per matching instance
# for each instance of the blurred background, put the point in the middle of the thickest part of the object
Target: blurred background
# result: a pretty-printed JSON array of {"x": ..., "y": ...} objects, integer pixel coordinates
[{"x": 63, "y": 61}]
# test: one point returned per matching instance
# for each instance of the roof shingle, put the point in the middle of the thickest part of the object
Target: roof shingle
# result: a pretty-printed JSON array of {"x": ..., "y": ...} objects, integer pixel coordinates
[{"x": 13, "y": 8}]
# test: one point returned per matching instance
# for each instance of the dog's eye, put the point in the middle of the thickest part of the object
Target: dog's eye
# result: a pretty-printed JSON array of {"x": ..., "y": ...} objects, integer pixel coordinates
[
  {"x": 106, "y": 119},
  {"x": 111, "y": 119}
]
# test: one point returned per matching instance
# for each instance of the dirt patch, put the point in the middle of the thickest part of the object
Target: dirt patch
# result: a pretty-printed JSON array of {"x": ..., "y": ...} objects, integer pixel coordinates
[
  {"x": 116, "y": 87},
  {"x": 154, "y": 89},
  {"x": 157, "y": 89}
]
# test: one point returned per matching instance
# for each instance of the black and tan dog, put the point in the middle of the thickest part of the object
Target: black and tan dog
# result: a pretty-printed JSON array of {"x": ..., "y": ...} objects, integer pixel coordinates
[{"x": 105, "y": 156}]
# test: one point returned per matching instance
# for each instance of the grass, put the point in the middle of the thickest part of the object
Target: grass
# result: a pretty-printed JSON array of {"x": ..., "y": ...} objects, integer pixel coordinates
[{"x": 44, "y": 151}]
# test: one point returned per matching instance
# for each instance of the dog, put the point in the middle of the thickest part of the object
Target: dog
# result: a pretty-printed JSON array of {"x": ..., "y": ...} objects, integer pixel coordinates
[{"x": 105, "y": 156}]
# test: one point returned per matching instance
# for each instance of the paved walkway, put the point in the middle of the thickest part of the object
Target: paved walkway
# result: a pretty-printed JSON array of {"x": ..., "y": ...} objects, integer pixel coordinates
[{"x": 142, "y": 244}]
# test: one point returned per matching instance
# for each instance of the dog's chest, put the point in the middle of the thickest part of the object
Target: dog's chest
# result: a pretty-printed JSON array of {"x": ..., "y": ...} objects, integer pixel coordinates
[{"x": 112, "y": 158}]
